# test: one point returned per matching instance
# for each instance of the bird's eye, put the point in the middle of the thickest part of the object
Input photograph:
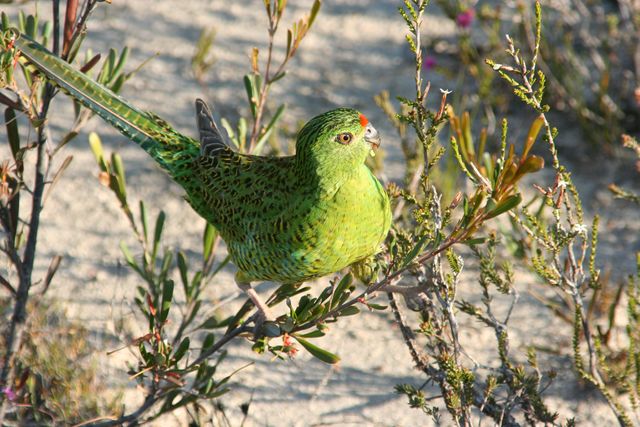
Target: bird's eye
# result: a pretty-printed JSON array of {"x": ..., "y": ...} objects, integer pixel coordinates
[{"x": 344, "y": 138}]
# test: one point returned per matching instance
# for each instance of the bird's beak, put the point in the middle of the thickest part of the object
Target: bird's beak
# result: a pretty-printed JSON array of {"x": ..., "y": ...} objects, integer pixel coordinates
[{"x": 372, "y": 137}]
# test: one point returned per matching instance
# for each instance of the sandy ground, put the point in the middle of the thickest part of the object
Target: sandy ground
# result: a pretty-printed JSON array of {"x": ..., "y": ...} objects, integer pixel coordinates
[{"x": 355, "y": 50}]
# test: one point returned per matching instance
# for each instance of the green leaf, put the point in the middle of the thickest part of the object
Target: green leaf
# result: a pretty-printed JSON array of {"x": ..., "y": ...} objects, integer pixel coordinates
[
  {"x": 96, "y": 149},
  {"x": 127, "y": 253},
  {"x": 182, "y": 267},
  {"x": 534, "y": 130},
  {"x": 165, "y": 265},
  {"x": 181, "y": 350},
  {"x": 31, "y": 27},
  {"x": 4, "y": 19},
  {"x": 289, "y": 40},
  {"x": 118, "y": 169},
  {"x": 208, "y": 238},
  {"x": 232, "y": 135},
  {"x": 194, "y": 312},
  {"x": 314, "y": 12},
  {"x": 504, "y": 206},
  {"x": 157, "y": 235},
  {"x": 117, "y": 70},
  {"x": 278, "y": 76},
  {"x": 476, "y": 241},
  {"x": 345, "y": 283},
  {"x": 352, "y": 310},
  {"x": 117, "y": 85},
  {"x": 252, "y": 93},
  {"x": 75, "y": 47},
  {"x": 21, "y": 21},
  {"x": 242, "y": 131},
  {"x": 47, "y": 29},
  {"x": 105, "y": 74},
  {"x": 130, "y": 260},
  {"x": 530, "y": 165},
  {"x": 222, "y": 264},
  {"x": 144, "y": 220},
  {"x": 167, "y": 295},
  {"x": 313, "y": 334},
  {"x": 268, "y": 130},
  {"x": 418, "y": 247},
  {"x": 320, "y": 353},
  {"x": 211, "y": 323},
  {"x": 208, "y": 342}
]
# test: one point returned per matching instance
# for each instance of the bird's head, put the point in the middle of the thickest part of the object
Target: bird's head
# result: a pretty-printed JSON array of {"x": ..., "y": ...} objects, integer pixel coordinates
[{"x": 338, "y": 140}]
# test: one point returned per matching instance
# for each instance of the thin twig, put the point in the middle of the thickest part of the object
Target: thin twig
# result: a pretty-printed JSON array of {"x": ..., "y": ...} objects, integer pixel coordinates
[{"x": 18, "y": 322}]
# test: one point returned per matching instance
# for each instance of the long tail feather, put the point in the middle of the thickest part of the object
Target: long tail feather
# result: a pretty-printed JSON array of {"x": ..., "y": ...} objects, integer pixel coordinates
[{"x": 168, "y": 147}]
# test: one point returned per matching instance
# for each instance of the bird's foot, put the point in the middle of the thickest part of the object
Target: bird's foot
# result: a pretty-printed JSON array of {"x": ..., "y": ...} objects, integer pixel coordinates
[
  {"x": 264, "y": 324},
  {"x": 263, "y": 320}
]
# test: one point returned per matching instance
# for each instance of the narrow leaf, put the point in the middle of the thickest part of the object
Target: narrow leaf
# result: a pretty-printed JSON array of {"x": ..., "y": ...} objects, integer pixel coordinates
[
  {"x": 96, "y": 149},
  {"x": 504, "y": 206},
  {"x": 344, "y": 284},
  {"x": 534, "y": 130},
  {"x": 182, "y": 267},
  {"x": 51, "y": 271},
  {"x": 208, "y": 239},
  {"x": 318, "y": 352},
  {"x": 268, "y": 129},
  {"x": 314, "y": 12},
  {"x": 144, "y": 221},
  {"x": 118, "y": 169},
  {"x": 249, "y": 86},
  {"x": 158, "y": 234},
  {"x": 312, "y": 334},
  {"x": 417, "y": 248},
  {"x": 56, "y": 177},
  {"x": 167, "y": 295},
  {"x": 352, "y": 310},
  {"x": 181, "y": 350},
  {"x": 90, "y": 64},
  {"x": 124, "y": 55}
]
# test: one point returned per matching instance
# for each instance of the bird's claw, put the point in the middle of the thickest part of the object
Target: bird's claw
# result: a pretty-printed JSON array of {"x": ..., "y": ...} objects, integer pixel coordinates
[{"x": 264, "y": 325}]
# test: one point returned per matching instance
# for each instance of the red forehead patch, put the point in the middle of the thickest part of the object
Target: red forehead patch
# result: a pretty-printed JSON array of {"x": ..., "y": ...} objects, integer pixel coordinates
[{"x": 363, "y": 120}]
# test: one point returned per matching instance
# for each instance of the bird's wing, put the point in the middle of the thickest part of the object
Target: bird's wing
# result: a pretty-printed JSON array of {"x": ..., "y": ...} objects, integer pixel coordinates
[{"x": 212, "y": 142}]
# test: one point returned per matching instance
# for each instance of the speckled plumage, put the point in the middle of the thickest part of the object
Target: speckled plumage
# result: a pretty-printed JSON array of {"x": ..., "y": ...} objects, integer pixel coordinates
[{"x": 286, "y": 219}]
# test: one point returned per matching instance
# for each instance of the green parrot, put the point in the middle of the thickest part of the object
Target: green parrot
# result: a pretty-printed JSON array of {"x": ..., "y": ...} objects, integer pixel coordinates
[{"x": 284, "y": 219}]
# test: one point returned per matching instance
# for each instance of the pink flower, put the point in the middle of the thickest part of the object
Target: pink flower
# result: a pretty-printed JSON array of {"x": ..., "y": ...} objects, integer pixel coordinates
[
  {"x": 429, "y": 63},
  {"x": 288, "y": 346},
  {"x": 11, "y": 395},
  {"x": 465, "y": 18}
]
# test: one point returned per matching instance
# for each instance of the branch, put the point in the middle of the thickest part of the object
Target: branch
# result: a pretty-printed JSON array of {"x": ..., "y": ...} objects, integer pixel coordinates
[{"x": 18, "y": 323}]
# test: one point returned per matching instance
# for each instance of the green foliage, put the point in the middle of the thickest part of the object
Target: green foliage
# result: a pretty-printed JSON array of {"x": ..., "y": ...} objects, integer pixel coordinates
[
  {"x": 621, "y": 193},
  {"x": 202, "y": 59},
  {"x": 417, "y": 399},
  {"x": 41, "y": 370},
  {"x": 563, "y": 242},
  {"x": 59, "y": 379},
  {"x": 583, "y": 59},
  {"x": 164, "y": 368},
  {"x": 259, "y": 81}
]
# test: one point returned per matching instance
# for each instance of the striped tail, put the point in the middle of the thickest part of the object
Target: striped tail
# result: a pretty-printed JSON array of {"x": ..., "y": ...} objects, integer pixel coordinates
[{"x": 168, "y": 147}]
